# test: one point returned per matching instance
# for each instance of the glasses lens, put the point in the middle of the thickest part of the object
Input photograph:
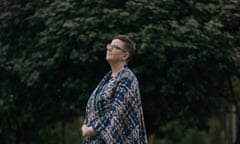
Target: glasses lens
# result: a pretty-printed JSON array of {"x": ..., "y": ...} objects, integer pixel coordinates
[{"x": 109, "y": 46}]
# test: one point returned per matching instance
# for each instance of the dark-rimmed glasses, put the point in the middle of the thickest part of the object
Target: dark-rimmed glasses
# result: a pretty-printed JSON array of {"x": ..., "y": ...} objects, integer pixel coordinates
[{"x": 109, "y": 46}]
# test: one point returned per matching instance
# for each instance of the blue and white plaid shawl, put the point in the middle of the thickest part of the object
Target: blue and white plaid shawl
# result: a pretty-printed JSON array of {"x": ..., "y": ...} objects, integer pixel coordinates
[{"x": 115, "y": 112}]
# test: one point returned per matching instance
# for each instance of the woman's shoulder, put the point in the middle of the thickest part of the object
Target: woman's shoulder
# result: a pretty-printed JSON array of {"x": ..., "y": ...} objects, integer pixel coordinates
[{"x": 128, "y": 75}]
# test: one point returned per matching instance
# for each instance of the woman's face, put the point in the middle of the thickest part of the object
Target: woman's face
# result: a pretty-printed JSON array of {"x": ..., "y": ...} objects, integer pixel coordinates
[{"x": 115, "y": 51}]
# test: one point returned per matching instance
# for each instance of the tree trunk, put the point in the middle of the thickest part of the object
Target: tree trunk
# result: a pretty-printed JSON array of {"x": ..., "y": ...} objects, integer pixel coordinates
[{"x": 235, "y": 102}]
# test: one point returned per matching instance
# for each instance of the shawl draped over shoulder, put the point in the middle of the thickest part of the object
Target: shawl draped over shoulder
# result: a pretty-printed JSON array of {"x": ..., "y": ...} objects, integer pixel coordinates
[{"x": 114, "y": 110}]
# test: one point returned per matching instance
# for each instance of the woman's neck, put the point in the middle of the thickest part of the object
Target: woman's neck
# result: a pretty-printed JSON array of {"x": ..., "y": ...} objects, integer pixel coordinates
[{"x": 117, "y": 68}]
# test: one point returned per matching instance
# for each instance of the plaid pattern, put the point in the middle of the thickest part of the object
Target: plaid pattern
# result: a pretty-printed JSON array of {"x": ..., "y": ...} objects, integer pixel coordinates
[{"x": 114, "y": 110}]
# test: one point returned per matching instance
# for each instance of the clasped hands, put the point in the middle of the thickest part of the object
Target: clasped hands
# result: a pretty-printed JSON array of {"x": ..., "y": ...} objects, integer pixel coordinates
[{"x": 88, "y": 131}]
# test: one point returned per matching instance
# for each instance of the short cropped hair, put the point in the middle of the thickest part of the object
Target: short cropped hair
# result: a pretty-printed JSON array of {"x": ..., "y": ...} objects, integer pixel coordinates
[{"x": 129, "y": 45}]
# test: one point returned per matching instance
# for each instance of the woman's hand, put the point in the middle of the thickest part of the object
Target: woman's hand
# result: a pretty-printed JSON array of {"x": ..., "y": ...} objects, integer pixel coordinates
[{"x": 88, "y": 131}]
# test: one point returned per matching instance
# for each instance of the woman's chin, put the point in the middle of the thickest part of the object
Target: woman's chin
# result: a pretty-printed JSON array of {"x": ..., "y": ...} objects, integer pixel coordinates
[{"x": 108, "y": 58}]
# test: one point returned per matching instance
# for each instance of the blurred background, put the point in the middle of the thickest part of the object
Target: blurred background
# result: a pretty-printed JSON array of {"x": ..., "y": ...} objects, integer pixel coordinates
[{"x": 52, "y": 56}]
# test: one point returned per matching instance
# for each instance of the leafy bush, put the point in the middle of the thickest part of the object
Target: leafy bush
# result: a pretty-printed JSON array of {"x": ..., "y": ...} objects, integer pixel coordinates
[{"x": 176, "y": 133}]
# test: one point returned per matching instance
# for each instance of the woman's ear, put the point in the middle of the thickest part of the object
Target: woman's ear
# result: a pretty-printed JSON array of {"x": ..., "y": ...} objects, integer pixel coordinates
[{"x": 125, "y": 56}]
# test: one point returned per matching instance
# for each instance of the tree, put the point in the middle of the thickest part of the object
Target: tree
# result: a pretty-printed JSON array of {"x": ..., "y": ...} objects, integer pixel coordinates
[{"x": 52, "y": 56}]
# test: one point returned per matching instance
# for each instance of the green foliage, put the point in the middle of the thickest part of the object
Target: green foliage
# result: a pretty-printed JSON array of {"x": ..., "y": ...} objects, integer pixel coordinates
[
  {"x": 52, "y": 57},
  {"x": 215, "y": 131},
  {"x": 176, "y": 133}
]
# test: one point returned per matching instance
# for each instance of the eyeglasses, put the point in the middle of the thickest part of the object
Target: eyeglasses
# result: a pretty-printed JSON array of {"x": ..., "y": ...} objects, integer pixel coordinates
[{"x": 109, "y": 46}]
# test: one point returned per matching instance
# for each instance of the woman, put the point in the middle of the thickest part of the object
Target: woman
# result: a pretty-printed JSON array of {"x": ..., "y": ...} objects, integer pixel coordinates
[{"x": 114, "y": 112}]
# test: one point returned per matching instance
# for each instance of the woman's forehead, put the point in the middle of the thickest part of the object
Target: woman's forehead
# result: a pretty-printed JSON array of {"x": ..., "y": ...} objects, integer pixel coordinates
[{"x": 117, "y": 41}]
